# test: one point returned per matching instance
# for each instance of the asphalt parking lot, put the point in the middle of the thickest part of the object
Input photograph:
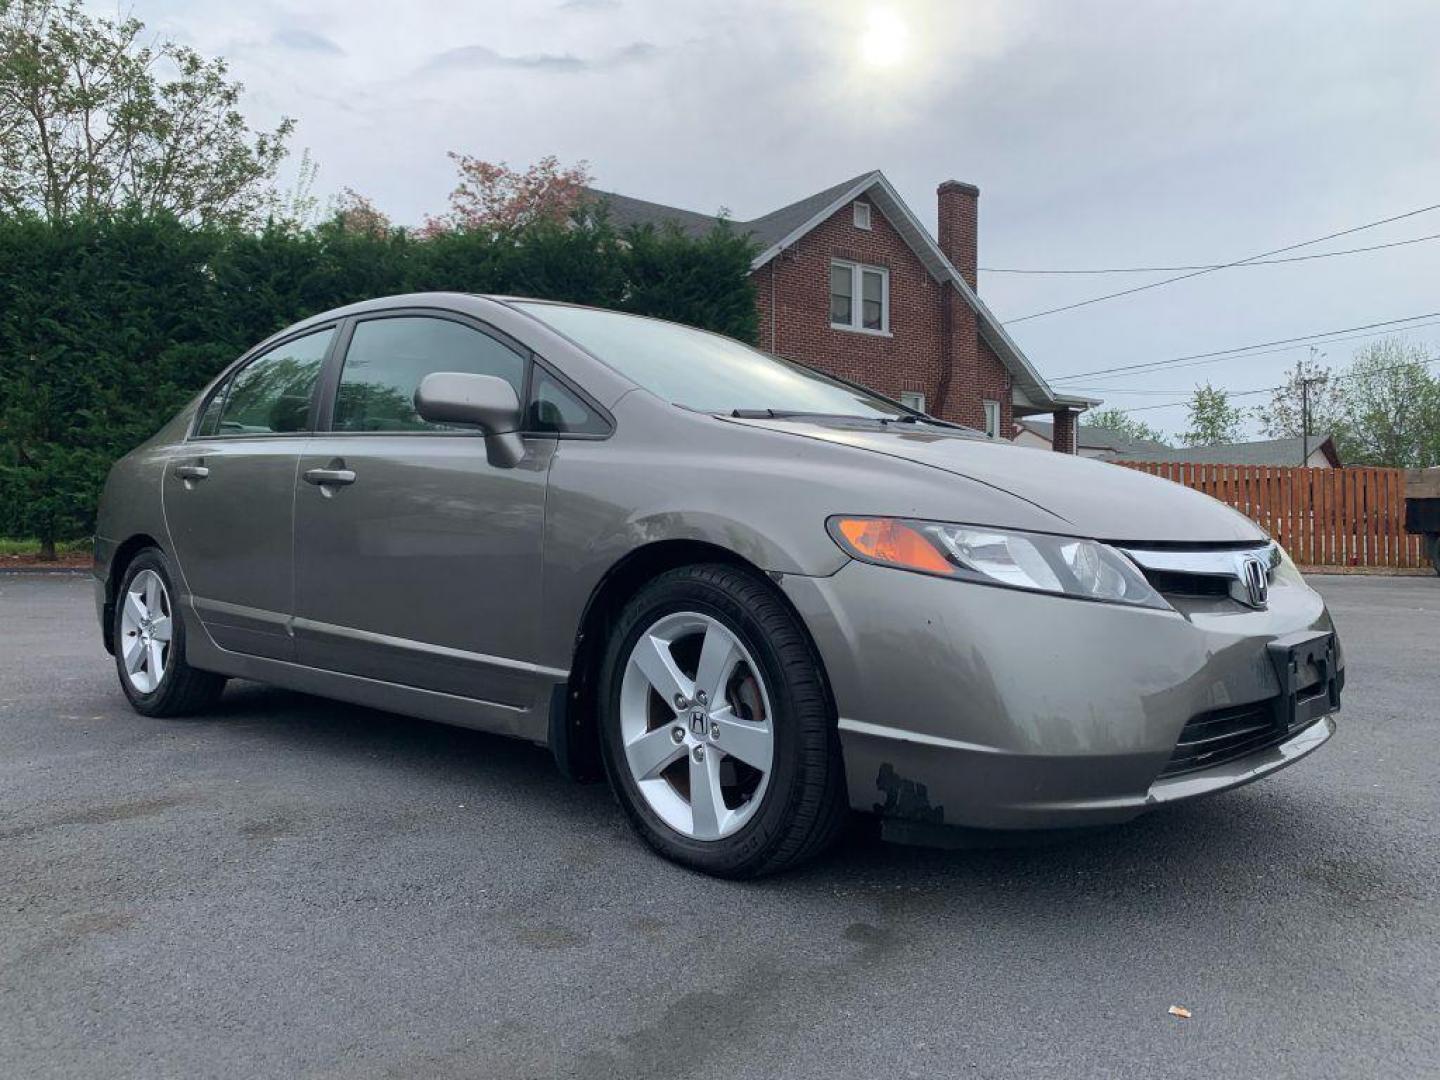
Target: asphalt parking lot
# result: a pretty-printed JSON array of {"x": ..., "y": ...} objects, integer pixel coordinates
[{"x": 292, "y": 887}]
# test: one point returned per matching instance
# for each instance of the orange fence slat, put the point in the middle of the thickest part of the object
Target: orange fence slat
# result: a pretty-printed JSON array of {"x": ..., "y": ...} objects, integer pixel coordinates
[
  {"x": 1350, "y": 516},
  {"x": 1381, "y": 488},
  {"x": 1292, "y": 506},
  {"x": 1364, "y": 518},
  {"x": 1305, "y": 533},
  {"x": 1371, "y": 520}
]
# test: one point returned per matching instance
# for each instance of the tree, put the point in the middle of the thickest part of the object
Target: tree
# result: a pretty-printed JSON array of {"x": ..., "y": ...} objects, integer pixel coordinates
[
  {"x": 1213, "y": 420},
  {"x": 354, "y": 213},
  {"x": 1311, "y": 390},
  {"x": 299, "y": 208},
  {"x": 1383, "y": 409},
  {"x": 496, "y": 198},
  {"x": 91, "y": 121},
  {"x": 1390, "y": 407},
  {"x": 1122, "y": 424},
  {"x": 106, "y": 327}
]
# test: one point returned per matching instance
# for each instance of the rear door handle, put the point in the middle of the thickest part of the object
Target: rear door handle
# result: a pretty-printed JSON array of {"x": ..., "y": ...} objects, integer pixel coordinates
[
  {"x": 327, "y": 477},
  {"x": 191, "y": 472}
]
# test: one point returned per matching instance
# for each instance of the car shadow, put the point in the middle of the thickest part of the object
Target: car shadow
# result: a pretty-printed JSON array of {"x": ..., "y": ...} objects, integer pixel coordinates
[
  {"x": 440, "y": 752},
  {"x": 1174, "y": 860}
]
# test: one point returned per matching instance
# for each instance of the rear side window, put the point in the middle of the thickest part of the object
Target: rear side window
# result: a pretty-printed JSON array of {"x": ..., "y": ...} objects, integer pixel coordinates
[
  {"x": 387, "y": 358},
  {"x": 271, "y": 394}
]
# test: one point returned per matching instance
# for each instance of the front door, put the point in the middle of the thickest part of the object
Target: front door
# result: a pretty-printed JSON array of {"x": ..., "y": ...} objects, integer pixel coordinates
[
  {"x": 229, "y": 495},
  {"x": 417, "y": 561}
]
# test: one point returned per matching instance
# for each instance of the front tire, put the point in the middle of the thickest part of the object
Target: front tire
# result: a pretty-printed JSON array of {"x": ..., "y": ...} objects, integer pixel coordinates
[
  {"x": 150, "y": 644},
  {"x": 716, "y": 725}
]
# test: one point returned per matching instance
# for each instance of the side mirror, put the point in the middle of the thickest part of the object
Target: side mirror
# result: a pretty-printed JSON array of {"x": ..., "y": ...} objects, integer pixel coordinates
[{"x": 488, "y": 402}]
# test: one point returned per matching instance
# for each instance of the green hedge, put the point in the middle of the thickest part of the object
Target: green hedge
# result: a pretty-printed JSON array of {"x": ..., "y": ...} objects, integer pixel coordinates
[{"x": 107, "y": 327}]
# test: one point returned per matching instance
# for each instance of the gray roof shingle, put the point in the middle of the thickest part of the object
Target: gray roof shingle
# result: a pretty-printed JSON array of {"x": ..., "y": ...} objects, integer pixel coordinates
[
  {"x": 1265, "y": 452},
  {"x": 625, "y": 212},
  {"x": 773, "y": 227},
  {"x": 1096, "y": 438},
  {"x": 767, "y": 229}
]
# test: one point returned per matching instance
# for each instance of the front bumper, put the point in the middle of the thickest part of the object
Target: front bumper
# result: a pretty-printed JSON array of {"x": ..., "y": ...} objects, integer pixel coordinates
[{"x": 966, "y": 705}]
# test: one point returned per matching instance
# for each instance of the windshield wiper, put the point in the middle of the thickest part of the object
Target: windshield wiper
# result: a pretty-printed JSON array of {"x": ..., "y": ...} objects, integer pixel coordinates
[
  {"x": 792, "y": 414},
  {"x": 922, "y": 418}
]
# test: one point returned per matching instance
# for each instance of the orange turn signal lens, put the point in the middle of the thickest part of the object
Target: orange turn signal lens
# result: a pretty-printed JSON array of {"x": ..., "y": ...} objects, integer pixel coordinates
[{"x": 892, "y": 542}]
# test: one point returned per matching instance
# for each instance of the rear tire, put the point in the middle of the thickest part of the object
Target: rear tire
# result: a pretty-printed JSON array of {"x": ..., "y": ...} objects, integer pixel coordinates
[
  {"x": 150, "y": 644},
  {"x": 765, "y": 732}
]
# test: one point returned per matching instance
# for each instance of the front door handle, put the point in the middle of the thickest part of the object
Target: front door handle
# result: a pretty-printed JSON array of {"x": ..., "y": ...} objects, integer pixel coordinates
[
  {"x": 329, "y": 477},
  {"x": 191, "y": 472}
]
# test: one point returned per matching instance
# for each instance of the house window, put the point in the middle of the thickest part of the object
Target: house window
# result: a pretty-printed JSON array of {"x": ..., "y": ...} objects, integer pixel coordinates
[
  {"x": 992, "y": 419},
  {"x": 859, "y": 297},
  {"x": 913, "y": 399},
  {"x": 862, "y": 215}
]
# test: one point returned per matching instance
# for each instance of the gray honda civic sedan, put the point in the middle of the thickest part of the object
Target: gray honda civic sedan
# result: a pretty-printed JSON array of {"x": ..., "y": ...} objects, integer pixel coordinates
[{"x": 752, "y": 596}]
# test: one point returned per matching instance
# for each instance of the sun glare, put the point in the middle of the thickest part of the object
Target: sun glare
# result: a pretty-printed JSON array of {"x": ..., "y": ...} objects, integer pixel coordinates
[{"x": 885, "y": 39}]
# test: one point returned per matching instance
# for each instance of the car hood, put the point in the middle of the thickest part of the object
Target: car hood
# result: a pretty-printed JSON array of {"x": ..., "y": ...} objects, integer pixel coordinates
[{"x": 1087, "y": 498}]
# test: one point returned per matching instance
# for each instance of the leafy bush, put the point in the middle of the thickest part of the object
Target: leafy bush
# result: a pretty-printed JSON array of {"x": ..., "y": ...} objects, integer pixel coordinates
[{"x": 108, "y": 325}]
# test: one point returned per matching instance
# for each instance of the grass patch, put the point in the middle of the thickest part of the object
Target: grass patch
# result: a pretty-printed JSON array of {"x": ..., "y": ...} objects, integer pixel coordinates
[{"x": 10, "y": 545}]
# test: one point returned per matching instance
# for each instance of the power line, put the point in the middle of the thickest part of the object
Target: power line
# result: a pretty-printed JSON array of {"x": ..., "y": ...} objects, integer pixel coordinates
[
  {"x": 1222, "y": 266},
  {"x": 1128, "y": 390},
  {"x": 1215, "y": 266},
  {"x": 1244, "y": 355},
  {"x": 1156, "y": 365},
  {"x": 1186, "y": 401},
  {"x": 1272, "y": 389}
]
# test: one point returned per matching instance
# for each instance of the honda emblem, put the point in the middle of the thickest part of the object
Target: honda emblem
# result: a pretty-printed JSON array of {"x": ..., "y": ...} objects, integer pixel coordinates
[{"x": 1255, "y": 577}]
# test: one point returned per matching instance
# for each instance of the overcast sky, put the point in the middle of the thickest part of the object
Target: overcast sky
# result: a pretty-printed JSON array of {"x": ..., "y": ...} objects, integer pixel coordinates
[{"x": 1101, "y": 134}]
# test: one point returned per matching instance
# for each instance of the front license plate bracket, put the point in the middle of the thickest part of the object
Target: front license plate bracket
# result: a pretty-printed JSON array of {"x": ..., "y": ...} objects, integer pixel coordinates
[{"x": 1304, "y": 698}]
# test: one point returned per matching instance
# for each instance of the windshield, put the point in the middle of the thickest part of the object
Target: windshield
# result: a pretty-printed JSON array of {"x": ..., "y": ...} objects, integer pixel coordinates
[{"x": 705, "y": 371}]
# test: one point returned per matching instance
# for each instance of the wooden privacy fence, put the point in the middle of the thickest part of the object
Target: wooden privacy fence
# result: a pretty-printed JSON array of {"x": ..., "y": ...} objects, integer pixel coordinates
[{"x": 1323, "y": 517}]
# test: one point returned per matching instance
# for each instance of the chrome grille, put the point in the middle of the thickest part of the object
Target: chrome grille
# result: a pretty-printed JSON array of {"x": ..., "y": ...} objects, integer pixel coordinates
[{"x": 1242, "y": 573}]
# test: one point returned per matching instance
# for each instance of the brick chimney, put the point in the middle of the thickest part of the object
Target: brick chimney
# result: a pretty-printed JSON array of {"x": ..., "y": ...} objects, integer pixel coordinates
[
  {"x": 1062, "y": 439},
  {"x": 959, "y": 227}
]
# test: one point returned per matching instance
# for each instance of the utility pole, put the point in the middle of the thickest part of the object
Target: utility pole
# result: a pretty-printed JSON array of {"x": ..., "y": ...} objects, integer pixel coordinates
[
  {"x": 1305, "y": 381},
  {"x": 1304, "y": 410}
]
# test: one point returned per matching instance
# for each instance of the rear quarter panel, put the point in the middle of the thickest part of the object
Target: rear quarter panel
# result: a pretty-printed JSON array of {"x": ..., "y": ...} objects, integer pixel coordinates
[{"x": 130, "y": 504}]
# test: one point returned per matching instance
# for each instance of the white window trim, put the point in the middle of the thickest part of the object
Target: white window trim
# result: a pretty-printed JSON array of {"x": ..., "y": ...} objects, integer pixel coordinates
[
  {"x": 917, "y": 395},
  {"x": 861, "y": 214},
  {"x": 992, "y": 408},
  {"x": 857, "y": 301}
]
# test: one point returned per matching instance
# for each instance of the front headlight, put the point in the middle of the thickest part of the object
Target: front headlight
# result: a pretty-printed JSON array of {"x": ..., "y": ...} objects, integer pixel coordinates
[
  {"x": 1066, "y": 566},
  {"x": 1282, "y": 568}
]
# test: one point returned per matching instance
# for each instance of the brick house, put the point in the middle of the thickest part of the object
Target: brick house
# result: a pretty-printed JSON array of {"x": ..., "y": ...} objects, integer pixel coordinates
[{"x": 847, "y": 280}]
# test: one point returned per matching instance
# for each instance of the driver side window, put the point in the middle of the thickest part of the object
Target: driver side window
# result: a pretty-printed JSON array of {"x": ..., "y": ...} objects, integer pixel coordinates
[{"x": 387, "y": 358}]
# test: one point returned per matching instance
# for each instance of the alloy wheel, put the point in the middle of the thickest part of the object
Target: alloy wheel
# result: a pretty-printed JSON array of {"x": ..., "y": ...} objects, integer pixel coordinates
[
  {"x": 696, "y": 724},
  {"x": 145, "y": 630}
]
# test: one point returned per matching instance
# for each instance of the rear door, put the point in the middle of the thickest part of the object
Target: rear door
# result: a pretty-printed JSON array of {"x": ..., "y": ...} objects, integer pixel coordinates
[
  {"x": 229, "y": 495},
  {"x": 417, "y": 561}
]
